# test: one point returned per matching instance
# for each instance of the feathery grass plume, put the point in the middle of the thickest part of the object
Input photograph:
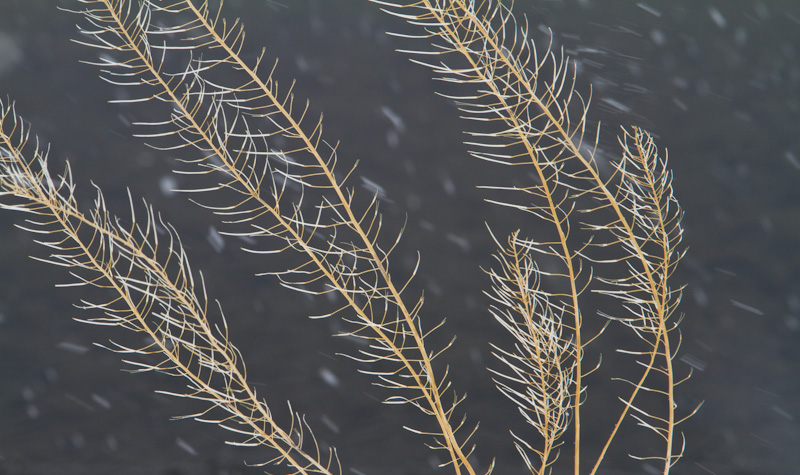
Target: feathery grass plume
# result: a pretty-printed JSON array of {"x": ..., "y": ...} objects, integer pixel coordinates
[
  {"x": 153, "y": 291},
  {"x": 542, "y": 364},
  {"x": 534, "y": 119}
]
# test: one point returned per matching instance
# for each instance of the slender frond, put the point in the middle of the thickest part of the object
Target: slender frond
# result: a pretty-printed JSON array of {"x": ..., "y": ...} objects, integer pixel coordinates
[
  {"x": 260, "y": 143},
  {"x": 529, "y": 115},
  {"x": 539, "y": 374},
  {"x": 153, "y": 292}
]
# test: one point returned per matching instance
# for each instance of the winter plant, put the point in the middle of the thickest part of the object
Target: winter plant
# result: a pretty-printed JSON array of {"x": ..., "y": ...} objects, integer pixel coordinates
[{"x": 614, "y": 231}]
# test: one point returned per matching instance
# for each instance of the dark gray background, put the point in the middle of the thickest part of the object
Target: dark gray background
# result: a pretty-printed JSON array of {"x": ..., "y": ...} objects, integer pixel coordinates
[{"x": 716, "y": 82}]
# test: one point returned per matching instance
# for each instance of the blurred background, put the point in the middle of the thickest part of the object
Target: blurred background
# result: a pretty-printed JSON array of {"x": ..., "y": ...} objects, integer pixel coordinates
[{"x": 717, "y": 83}]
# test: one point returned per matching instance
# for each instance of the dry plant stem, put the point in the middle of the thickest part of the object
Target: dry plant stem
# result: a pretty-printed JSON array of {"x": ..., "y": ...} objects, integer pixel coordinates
[
  {"x": 530, "y": 314},
  {"x": 543, "y": 362},
  {"x": 27, "y": 184},
  {"x": 659, "y": 293},
  {"x": 427, "y": 383},
  {"x": 661, "y": 298},
  {"x": 568, "y": 255},
  {"x": 428, "y": 387}
]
